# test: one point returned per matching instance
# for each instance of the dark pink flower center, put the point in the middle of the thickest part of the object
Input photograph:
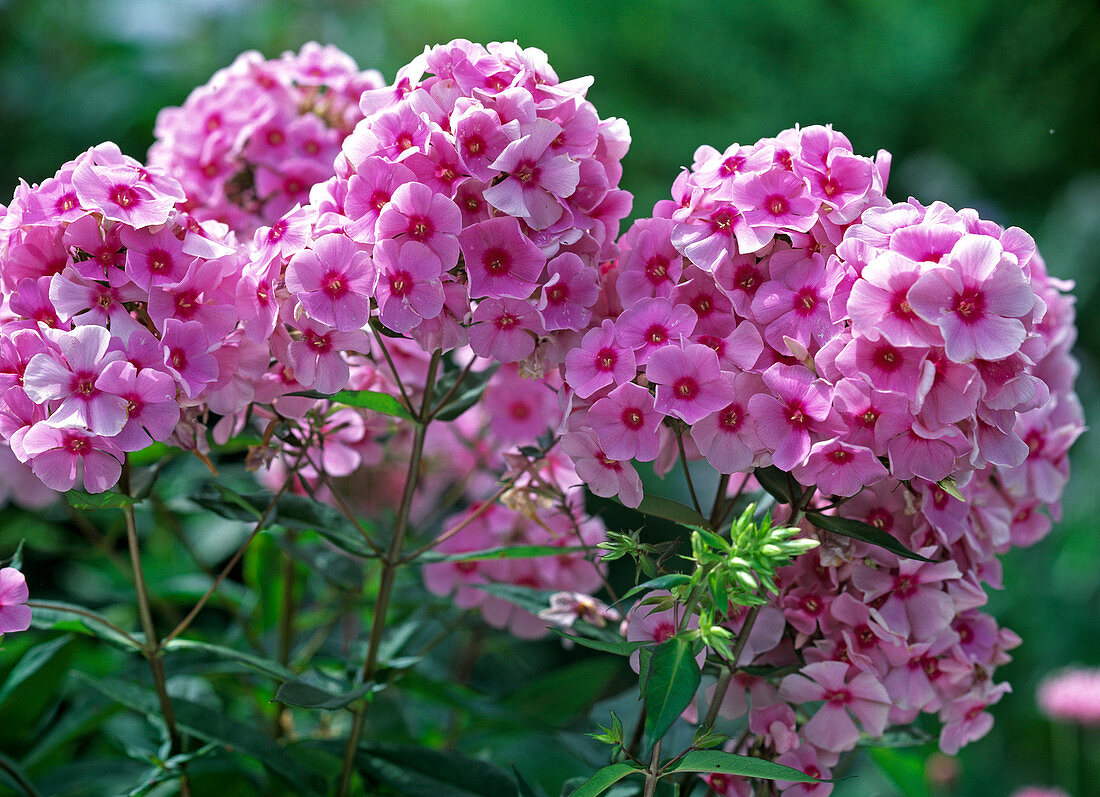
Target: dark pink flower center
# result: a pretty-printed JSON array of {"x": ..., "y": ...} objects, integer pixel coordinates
[
  {"x": 420, "y": 228},
  {"x": 606, "y": 359},
  {"x": 334, "y": 285},
  {"x": 839, "y": 456},
  {"x": 277, "y": 231},
  {"x": 732, "y": 165},
  {"x": 633, "y": 418},
  {"x": 379, "y": 199},
  {"x": 498, "y": 262},
  {"x": 178, "y": 358},
  {"x": 901, "y": 307},
  {"x": 747, "y": 279},
  {"x": 507, "y": 320},
  {"x": 557, "y": 294},
  {"x": 776, "y": 204},
  {"x": 806, "y": 301},
  {"x": 401, "y": 283},
  {"x": 519, "y": 411},
  {"x": 702, "y": 305},
  {"x": 722, "y": 221},
  {"x": 969, "y": 305},
  {"x": 881, "y": 519},
  {"x": 319, "y": 343},
  {"x": 185, "y": 303},
  {"x": 123, "y": 196},
  {"x": 685, "y": 388},
  {"x": 838, "y": 696},
  {"x": 67, "y": 202},
  {"x": 731, "y": 418},
  {"x": 526, "y": 172},
  {"x": 656, "y": 269},
  {"x": 159, "y": 261},
  {"x": 656, "y": 335},
  {"x": 474, "y": 145},
  {"x": 663, "y": 630},
  {"x": 905, "y": 586},
  {"x": 887, "y": 358},
  {"x": 77, "y": 445}
]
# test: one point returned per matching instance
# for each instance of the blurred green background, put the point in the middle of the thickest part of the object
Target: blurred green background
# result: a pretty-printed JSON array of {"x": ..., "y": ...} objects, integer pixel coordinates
[{"x": 983, "y": 103}]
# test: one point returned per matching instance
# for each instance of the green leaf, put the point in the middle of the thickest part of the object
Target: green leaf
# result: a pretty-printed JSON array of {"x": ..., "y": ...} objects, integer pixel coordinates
[
  {"x": 668, "y": 509},
  {"x": 667, "y": 581},
  {"x": 212, "y": 726},
  {"x": 12, "y": 775},
  {"x": 79, "y": 499},
  {"x": 858, "y": 530},
  {"x": 781, "y": 485},
  {"x": 301, "y": 693},
  {"x": 373, "y": 400},
  {"x": 467, "y": 395},
  {"x": 16, "y": 560},
  {"x": 671, "y": 681},
  {"x": 623, "y": 648},
  {"x": 503, "y": 552},
  {"x": 31, "y": 662},
  {"x": 423, "y": 772},
  {"x": 604, "y": 779},
  {"x": 58, "y": 616},
  {"x": 742, "y": 765},
  {"x": 268, "y": 667},
  {"x": 532, "y": 600}
]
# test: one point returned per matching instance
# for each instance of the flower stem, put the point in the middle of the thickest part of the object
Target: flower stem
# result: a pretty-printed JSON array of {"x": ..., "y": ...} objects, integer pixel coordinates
[
  {"x": 391, "y": 561},
  {"x": 654, "y": 768},
  {"x": 151, "y": 647}
]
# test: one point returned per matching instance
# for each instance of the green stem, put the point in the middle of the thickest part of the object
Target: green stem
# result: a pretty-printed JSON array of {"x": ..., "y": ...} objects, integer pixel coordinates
[
  {"x": 151, "y": 647},
  {"x": 286, "y": 626},
  {"x": 654, "y": 768},
  {"x": 687, "y": 471},
  {"x": 390, "y": 563}
]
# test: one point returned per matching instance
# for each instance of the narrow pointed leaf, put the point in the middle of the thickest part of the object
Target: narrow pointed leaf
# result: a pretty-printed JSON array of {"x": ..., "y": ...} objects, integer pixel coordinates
[
  {"x": 503, "y": 552},
  {"x": 742, "y": 765},
  {"x": 79, "y": 499},
  {"x": 667, "y": 581},
  {"x": 33, "y": 661},
  {"x": 604, "y": 779},
  {"x": 858, "y": 530},
  {"x": 624, "y": 648}
]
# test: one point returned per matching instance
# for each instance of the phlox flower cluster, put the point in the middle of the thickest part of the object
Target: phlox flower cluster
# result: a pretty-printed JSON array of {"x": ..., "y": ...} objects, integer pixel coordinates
[
  {"x": 473, "y": 205},
  {"x": 250, "y": 143},
  {"x": 120, "y": 320},
  {"x": 1072, "y": 695},
  {"x": 779, "y": 311}
]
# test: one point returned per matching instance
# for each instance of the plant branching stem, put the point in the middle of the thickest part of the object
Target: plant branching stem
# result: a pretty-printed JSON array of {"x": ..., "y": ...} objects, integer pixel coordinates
[
  {"x": 687, "y": 471},
  {"x": 652, "y": 773},
  {"x": 391, "y": 561},
  {"x": 151, "y": 647}
]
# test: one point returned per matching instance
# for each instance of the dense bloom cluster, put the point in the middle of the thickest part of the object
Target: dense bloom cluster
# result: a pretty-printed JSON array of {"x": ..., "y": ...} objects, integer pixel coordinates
[
  {"x": 779, "y": 311},
  {"x": 250, "y": 143},
  {"x": 473, "y": 205},
  {"x": 120, "y": 318},
  {"x": 1072, "y": 695}
]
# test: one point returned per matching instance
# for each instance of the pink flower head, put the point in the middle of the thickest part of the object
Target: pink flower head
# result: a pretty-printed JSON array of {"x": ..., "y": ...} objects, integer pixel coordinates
[
  {"x": 500, "y": 259},
  {"x": 317, "y": 358},
  {"x": 976, "y": 298},
  {"x": 333, "y": 281},
  {"x": 151, "y": 407},
  {"x": 154, "y": 258},
  {"x": 14, "y": 614},
  {"x": 727, "y": 438},
  {"x": 775, "y": 200},
  {"x": 568, "y": 293},
  {"x": 58, "y": 456},
  {"x": 504, "y": 329},
  {"x": 645, "y": 623},
  {"x": 797, "y": 304},
  {"x": 409, "y": 289},
  {"x": 71, "y": 380},
  {"x": 651, "y": 323},
  {"x": 602, "y": 475},
  {"x": 369, "y": 190},
  {"x": 690, "y": 384},
  {"x": 121, "y": 193},
  {"x": 626, "y": 423},
  {"x": 419, "y": 214},
  {"x": 916, "y": 602},
  {"x": 833, "y": 682},
  {"x": 800, "y": 405},
  {"x": 598, "y": 362},
  {"x": 538, "y": 179},
  {"x": 879, "y": 303},
  {"x": 187, "y": 355},
  {"x": 840, "y": 469},
  {"x": 650, "y": 265}
]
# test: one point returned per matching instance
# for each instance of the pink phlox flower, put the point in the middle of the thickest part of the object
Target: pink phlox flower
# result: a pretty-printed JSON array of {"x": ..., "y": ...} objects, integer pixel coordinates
[
  {"x": 480, "y": 138},
  {"x": 976, "y": 298},
  {"x": 369, "y": 190},
  {"x": 317, "y": 357},
  {"x": 800, "y": 407},
  {"x": 650, "y": 266},
  {"x": 713, "y": 230},
  {"x": 928, "y": 453},
  {"x": 713, "y": 168},
  {"x": 776, "y": 725},
  {"x": 948, "y": 392},
  {"x": 394, "y": 134},
  {"x": 599, "y": 361},
  {"x": 690, "y": 383},
  {"x": 927, "y": 243},
  {"x": 256, "y": 300},
  {"x": 727, "y": 438},
  {"x": 154, "y": 257},
  {"x": 39, "y": 252},
  {"x": 796, "y": 304},
  {"x": 151, "y": 408},
  {"x": 504, "y": 329},
  {"x": 566, "y": 608},
  {"x": 122, "y": 194},
  {"x": 740, "y": 278},
  {"x": 241, "y": 365},
  {"x": 187, "y": 357},
  {"x": 71, "y": 380},
  {"x": 772, "y": 202},
  {"x": 813, "y": 762},
  {"x": 872, "y": 416},
  {"x": 106, "y": 256},
  {"x": 864, "y": 632},
  {"x": 916, "y": 602},
  {"x": 419, "y": 214},
  {"x": 650, "y": 323},
  {"x": 538, "y": 178},
  {"x": 409, "y": 289},
  {"x": 500, "y": 260},
  {"x": 966, "y": 720},
  {"x": 333, "y": 281},
  {"x": 878, "y": 303},
  {"x": 447, "y": 330},
  {"x": 626, "y": 423},
  {"x": 88, "y": 302},
  {"x": 602, "y": 475},
  {"x": 838, "y": 468},
  {"x": 60, "y": 456},
  {"x": 15, "y": 615},
  {"x": 440, "y": 169},
  {"x": 831, "y": 727},
  {"x": 287, "y": 235},
  {"x": 202, "y": 296},
  {"x": 883, "y": 365},
  {"x": 571, "y": 289},
  {"x": 713, "y": 308},
  {"x": 31, "y": 300},
  {"x": 520, "y": 409}
]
